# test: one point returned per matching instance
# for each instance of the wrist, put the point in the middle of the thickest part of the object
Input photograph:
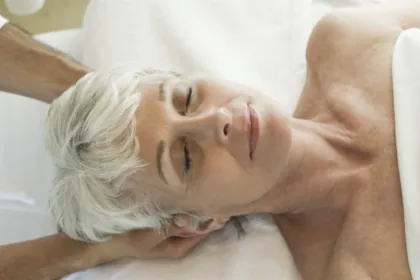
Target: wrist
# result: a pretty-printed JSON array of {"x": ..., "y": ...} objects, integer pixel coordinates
[
  {"x": 104, "y": 252},
  {"x": 86, "y": 255},
  {"x": 58, "y": 84},
  {"x": 35, "y": 70}
]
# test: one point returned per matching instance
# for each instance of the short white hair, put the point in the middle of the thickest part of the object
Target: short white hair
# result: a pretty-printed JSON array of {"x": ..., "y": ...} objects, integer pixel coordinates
[{"x": 90, "y": 134}]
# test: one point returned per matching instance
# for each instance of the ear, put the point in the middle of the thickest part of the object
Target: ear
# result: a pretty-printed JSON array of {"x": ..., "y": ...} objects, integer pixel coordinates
[
  {"x": 204, "y": 227},
  {"x": 211, "y": 225}
]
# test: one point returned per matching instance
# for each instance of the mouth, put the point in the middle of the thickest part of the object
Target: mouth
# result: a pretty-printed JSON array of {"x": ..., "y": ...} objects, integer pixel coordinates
[{"x": 253, "y": 131}]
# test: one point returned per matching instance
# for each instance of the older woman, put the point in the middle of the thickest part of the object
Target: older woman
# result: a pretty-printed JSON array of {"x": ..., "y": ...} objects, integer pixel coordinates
[{"x": 133, "y": 149}]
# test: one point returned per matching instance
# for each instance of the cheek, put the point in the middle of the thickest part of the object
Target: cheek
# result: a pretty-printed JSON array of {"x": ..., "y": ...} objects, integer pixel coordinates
[
  {"x": 217, "y": 95},
  {"x": 226, "y": 183}
]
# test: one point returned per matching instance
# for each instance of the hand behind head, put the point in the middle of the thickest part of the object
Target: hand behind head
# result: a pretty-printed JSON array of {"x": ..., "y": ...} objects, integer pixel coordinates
[{"x": 175, "y": 242}]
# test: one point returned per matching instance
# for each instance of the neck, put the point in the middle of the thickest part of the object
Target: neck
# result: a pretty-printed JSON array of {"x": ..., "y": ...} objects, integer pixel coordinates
[{"x": 316, "y": 175}]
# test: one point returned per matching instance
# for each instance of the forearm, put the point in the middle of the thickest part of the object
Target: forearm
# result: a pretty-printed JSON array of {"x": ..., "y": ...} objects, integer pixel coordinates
[
  {"x": 48, "y": 258},
  {"x": 32, "y": 69}
]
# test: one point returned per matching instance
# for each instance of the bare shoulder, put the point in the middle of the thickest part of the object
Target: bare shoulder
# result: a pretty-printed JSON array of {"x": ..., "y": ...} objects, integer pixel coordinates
[
  {"x": 353, "y": 46},
  {"x": 356, "y": 44},
  {"x": 349, "y": 56}
]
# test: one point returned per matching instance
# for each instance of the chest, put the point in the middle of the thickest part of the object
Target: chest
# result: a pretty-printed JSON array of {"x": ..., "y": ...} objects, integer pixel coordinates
[{"x": 369, "y": 240}]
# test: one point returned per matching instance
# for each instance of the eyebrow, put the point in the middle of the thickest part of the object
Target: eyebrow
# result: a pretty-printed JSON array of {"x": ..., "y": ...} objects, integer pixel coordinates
[
  {"x": 161, "y": 145},
  {"x": 159, "y": 154}
]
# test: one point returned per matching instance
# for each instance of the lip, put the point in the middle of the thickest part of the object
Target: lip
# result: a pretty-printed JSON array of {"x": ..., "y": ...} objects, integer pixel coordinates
[{"x": 254, "y": 130}]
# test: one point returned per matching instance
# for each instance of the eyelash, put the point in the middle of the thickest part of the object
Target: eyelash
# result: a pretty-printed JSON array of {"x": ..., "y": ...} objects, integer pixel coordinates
[
  {"x": 187, "y": 159},
  {"x": 188, "y": 100}
]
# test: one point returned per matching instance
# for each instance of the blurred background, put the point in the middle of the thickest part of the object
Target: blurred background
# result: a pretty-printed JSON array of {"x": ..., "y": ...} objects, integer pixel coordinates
[{"x": 54, "y": 15}]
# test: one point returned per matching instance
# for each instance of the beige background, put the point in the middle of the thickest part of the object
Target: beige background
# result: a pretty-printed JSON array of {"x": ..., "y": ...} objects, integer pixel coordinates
[{"x": 55, "y": 15}]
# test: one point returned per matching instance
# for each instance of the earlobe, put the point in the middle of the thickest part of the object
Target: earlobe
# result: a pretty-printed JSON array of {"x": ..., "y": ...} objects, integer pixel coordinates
[
  {"x": 211, "y": 225},
  {"x": 199, "y": 228}
]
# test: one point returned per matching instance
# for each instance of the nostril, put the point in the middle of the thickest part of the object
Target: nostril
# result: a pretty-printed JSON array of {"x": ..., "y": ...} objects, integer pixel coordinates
[{"x": 226, "y": 129}]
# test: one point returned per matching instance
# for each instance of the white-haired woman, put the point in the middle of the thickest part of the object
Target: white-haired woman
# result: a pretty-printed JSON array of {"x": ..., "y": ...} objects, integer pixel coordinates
[{"x": 133, "y": 150}]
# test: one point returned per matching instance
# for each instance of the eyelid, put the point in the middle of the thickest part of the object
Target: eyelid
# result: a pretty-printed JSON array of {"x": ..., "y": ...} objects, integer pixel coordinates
[
  {"x": 168, "y": 88},
  {"x": 178, "y": 93}
]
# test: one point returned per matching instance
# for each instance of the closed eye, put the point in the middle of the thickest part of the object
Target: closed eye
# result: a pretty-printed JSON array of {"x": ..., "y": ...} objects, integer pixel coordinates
[
  {"x": 188, "y": 100},
  {"x": 187, "y": 158}
]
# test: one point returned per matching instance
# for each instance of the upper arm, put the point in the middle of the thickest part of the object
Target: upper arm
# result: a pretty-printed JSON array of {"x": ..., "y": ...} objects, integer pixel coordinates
[{"x": 353, "y": 40}]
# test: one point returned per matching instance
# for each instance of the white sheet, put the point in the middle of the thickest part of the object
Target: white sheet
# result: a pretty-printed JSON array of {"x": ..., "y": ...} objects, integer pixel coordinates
[
  {"x": 260, "y": 255},
  {"x": 261, "y": 44},
  {"x": 406, "y": 80},
  {"x": 3, "y": 21},
  {"x": 241, "y": 40},
  {"x": 25, "y": 169}
]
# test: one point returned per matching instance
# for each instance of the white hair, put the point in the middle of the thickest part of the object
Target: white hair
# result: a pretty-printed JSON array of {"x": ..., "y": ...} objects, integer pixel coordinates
[{"x": 90, "y": 134}]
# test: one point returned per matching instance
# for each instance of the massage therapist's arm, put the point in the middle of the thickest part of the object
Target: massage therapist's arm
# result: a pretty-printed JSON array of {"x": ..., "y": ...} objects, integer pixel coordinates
[
  {"x": 56, "y": 256},
  {"x": 46, "y": 258},
  {"x": 32, "y": 69}
]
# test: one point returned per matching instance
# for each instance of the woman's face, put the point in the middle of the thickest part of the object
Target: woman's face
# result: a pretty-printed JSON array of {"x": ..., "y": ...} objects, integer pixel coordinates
[{"x": 209, "y": 145}]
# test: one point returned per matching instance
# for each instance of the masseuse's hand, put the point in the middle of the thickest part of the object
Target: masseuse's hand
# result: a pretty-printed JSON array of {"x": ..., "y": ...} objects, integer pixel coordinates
[{"x": 149, "y": 244}]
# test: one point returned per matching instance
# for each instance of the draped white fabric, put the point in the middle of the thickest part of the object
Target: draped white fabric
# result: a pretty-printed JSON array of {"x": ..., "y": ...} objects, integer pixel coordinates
[{"x": 406, "y": 80}]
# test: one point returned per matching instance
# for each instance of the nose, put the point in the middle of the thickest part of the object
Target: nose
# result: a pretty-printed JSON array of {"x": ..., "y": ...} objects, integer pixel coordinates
[{"x": 215, "y": 122}]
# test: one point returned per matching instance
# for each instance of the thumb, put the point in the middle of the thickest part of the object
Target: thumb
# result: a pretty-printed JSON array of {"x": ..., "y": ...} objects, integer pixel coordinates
[
  {"x": 180, "y": 225},
  {"x": 178, "y": 230}
]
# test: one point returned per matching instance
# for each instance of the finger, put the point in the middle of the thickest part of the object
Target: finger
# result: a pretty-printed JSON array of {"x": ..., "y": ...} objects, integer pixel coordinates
[
  {"x": 180, "y": 225},
  {"x": 187, "y": 234},
  {"x": 172, "y": 232},
  {"x": 154, "y": 237},
  {"x": 181, "y": 221},
  {"x": 178, "y": 247},
  {"x": 149, "y": 236}
]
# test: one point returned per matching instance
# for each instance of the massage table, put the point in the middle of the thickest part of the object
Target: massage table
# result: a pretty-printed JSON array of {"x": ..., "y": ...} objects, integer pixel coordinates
[{"x": 26, "y": 171}]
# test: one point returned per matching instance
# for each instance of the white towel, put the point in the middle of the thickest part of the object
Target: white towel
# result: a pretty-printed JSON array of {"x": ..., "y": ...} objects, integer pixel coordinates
[{"x": 406, "y": 81}]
